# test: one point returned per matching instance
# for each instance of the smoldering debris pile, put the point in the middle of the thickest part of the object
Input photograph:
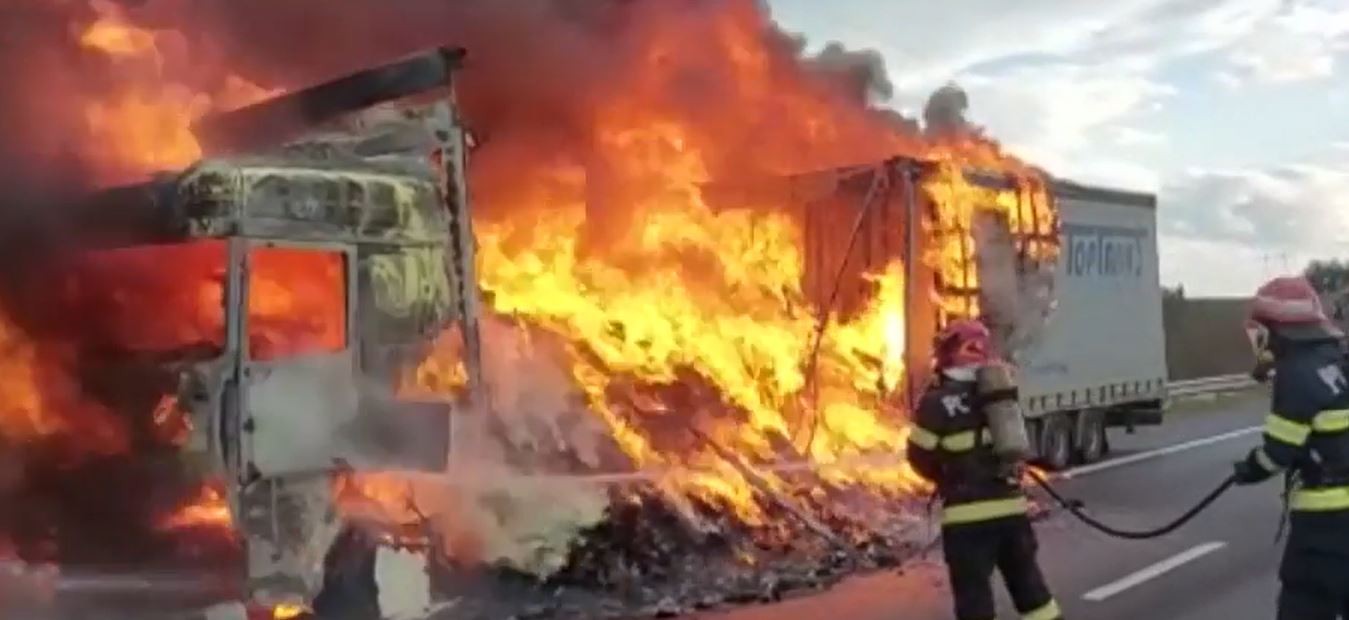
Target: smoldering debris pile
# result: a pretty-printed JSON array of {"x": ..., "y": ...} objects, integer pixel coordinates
[
  {"x": 647, "y": 559},
  {"x": 531, "y": 530}
]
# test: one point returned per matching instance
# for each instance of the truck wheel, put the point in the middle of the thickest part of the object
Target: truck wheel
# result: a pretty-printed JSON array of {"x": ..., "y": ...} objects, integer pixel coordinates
[
  {"x": 1033, "y": 427},
  {"x": 1056, "y": 441},
  {"x": 1090, "y": 436}
]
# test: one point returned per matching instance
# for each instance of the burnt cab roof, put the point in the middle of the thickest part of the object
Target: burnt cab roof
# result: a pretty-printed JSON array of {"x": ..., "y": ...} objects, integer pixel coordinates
[
  {"x": 272, "y": 198},
  {"x": 289, "y": 200},
  {"x": 370, "y": 186}
]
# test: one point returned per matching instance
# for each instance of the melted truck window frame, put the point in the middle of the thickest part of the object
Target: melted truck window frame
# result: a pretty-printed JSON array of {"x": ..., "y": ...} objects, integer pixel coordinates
[{"x": 298, "y": 302}]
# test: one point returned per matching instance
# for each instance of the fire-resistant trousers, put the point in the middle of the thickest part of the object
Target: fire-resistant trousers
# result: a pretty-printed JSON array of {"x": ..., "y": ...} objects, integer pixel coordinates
[
  {"x": 1008, "y": 544},
  {"x": 1315, "y": 586}
]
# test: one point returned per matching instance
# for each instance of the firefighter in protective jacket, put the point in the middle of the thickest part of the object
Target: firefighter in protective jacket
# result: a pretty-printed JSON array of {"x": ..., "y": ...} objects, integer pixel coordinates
[
  {"x": 1306, "y": 438},
  {"x": 985, "y": 525}
]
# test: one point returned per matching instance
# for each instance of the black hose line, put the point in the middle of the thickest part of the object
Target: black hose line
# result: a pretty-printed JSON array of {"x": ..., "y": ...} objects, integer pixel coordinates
[{"x": 1075, "y": 507}]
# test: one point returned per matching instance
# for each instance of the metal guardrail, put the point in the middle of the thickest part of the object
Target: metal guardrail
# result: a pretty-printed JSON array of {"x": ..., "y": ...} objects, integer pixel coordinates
[{"x": 1210, "y": 385}]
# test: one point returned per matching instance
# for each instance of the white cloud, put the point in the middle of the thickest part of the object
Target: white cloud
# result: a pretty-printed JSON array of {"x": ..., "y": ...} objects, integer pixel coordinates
[
  {"x": 1301, "y": 42},
  {"x": 1229, "y": 79},
  {"x": 1175, "y": 28},
  {"x": 1070, "y": 118},
  {"x": 1265, "y": 41},
  {"x": 1302, "y": 205},
  {"x": 927, "y": 42},
  {"x": 1109, "y": 172},
  {"x": 1225, "y": 231},
  {"x": 1209, "y": 268},
  {"x": 1132, "y": 136},
  {"x": 1056, "y": 107}
]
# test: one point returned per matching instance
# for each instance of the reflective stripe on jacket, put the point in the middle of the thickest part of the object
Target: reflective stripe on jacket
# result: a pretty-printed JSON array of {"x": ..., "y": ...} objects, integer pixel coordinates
[
  {"x": 949, "y": 444},
  {"x": 1307, "y": 430}
]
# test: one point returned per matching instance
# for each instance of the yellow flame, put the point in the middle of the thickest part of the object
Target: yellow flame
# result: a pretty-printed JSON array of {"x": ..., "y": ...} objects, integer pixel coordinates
[
  {"x": 114, "y": 36},
  {"x": 687, "y": 289},
  {"x": 287, "y": 612},
  {"x": 209, "y": 509},
  {"x": 145, "y": 125},
  {"x": 1026, "y": 208}
]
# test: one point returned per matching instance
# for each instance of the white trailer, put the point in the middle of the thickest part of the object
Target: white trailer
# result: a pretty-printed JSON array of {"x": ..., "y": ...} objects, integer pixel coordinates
[
  {"x": 1086, "y": 334},
  {"x": 1101, "y": 358}
]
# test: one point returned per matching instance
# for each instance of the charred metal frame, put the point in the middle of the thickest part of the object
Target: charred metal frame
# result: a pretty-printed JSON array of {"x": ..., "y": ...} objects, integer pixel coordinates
[
  {"x": 238, "y": 270},
  {"x": 271, "y": 138},
  {"x": 286, "y": 117},
  {"x": 274, "y": 575},
  {"x": 910, "y": 174}
]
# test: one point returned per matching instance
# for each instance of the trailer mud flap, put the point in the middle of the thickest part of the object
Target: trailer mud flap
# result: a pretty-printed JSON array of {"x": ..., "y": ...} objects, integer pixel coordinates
[{"x": 1134, "y": 417}]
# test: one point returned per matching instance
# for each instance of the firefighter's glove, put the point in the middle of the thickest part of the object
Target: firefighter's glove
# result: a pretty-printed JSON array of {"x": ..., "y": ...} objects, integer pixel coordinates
[
  {"x": 1264, "y": 367},
  {"x": 1012, "y": 470},
  {"x": 1248, "y": 471}
]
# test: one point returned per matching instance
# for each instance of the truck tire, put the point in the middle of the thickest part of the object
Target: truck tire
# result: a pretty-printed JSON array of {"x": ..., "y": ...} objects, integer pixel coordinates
[
  {"x": 1089, "y": 439},
  {"x": 1056, "y": 441}
]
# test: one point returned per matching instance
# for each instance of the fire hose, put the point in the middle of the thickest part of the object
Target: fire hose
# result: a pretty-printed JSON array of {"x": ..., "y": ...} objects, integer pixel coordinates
[{"x": 1076, "y": 508}]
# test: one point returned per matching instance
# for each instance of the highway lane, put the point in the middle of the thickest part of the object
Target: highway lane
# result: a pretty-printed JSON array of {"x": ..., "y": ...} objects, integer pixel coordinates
[{"x": 1222, "y": 566}]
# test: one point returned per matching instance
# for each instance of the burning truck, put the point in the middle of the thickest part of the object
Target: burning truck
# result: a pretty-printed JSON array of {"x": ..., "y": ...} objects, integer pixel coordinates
[
  {"x": 656, "y": 361},
  {"x": 322, "y": 249}
]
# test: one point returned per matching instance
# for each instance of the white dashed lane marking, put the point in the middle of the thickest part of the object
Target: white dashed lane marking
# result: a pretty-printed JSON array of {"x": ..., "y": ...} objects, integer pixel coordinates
[
  {"x": 1152, "y": 572},
  {"x": 1160, "y": 452}
]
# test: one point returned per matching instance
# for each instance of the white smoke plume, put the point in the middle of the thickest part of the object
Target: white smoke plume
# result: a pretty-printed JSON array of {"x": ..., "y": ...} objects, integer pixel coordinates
[
  {"x": 1017, "y": 296},
  {"x": 502, "y": 502}
]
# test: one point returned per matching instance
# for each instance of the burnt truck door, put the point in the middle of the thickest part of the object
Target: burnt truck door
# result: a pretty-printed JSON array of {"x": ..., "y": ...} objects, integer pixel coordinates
[
  {"x": 298, "y": 371},
  {"x": 316, "y": 333},
  {"x": 295, "y": 391}
]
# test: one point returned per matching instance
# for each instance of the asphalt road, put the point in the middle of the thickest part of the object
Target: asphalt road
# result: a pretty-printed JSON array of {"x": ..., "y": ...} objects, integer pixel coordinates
[{"x": 1222, "y": 566}]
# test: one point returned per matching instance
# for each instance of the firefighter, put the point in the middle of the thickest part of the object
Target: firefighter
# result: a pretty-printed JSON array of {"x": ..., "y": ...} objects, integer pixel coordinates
[
  {"x": 1306, "y": 439},
  {"x": 985, "y": 525}
]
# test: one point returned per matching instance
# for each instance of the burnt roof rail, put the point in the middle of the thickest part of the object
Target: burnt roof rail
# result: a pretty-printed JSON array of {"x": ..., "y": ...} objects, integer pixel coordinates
[{"x": 285, "y": 117}]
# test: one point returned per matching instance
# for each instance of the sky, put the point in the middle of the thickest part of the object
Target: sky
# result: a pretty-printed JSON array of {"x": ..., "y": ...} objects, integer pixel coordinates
[{"x": 1235, "y": 112}]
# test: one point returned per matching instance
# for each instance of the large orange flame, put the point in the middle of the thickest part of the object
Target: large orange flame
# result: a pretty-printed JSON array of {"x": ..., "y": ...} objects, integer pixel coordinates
[
  {"x": 146, "y": 125},
  {"x": 687, "y": 329}
]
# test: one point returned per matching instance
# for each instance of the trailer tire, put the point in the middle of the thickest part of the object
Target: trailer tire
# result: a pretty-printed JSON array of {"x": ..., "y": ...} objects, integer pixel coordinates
[
  {"x": 1033, "y": 427},
  {"x": 1056, "y": 441},
  {"x": 1090, "y": 441}
]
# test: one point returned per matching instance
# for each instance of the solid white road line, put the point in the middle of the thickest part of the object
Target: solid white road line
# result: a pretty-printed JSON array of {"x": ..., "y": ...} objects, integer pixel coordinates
[
  {"x": 1152, "y": 572},
  {"x": 1152, "y": 454}
]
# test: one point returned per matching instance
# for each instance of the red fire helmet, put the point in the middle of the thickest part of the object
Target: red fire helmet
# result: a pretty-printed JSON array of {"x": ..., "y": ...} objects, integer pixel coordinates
[
  {"x": 1287, "y": 300},
  {"x": 964, "y": 343}
]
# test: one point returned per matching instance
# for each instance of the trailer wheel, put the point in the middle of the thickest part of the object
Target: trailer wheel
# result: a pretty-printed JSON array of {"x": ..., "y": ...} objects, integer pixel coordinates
[
  {"x": 1091, "y": 445},
  {"x": 1056, "y": 441}
]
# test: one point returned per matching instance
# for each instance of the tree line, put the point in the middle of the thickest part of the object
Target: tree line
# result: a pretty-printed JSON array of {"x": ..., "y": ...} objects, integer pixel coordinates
[{"x": 1328, "y": 276}]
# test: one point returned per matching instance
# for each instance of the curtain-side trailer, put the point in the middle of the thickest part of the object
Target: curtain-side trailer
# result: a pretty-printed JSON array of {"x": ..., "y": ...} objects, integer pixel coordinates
[
  {"x": 1101, "y": 360},
  {"x": 1085, "y": 329}
]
